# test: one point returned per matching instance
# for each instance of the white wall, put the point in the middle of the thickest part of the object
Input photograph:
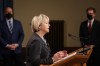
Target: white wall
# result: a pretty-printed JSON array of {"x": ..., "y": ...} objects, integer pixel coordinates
[{"x": 73, "y": 12}]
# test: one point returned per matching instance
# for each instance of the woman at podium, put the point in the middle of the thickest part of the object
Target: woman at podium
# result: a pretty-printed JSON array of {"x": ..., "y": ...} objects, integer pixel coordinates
[{"x": 38, "y": 50}]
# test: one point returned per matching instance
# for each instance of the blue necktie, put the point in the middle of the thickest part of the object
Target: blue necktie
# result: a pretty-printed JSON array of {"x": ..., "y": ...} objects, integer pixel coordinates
[{"x": 10, "y": 26}]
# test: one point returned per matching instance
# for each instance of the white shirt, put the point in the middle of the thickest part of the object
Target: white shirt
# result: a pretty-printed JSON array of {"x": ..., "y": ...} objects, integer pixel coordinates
[{"x": 91, "y": 22}]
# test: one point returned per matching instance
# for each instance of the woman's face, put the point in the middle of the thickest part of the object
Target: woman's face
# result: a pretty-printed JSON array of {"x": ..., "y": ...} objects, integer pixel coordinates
[{"x": 44, "y": 26}]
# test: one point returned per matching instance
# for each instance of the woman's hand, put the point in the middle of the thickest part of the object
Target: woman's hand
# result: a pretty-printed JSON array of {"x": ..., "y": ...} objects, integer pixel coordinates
[{"x": 59, "y": 55}]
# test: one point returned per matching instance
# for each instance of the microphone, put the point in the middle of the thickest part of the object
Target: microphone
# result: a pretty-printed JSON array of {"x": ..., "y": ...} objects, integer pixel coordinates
[
  {"x": 83, "y": 45},
  {"x": 70, "y": 35},
  {"x": 76, "y": 37}
]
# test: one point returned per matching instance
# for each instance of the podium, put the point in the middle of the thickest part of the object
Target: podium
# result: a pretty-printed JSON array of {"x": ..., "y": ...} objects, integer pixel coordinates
[{"x": 76, "y": 58}]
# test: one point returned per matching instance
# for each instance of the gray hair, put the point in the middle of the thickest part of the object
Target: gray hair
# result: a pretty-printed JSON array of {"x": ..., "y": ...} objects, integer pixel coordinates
[{"x": 37, "y": 20}]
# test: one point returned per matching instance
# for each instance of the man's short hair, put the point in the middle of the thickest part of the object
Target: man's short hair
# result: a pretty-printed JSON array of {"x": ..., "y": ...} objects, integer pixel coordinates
[{"x": 91, "y": 8}]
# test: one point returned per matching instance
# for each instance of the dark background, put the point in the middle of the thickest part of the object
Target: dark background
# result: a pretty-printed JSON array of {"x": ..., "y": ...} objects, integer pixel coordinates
[{"x": 4, "y": 3}]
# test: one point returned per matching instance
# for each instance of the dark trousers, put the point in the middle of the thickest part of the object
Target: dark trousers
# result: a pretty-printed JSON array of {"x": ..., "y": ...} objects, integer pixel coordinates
[{"x": 12, "y": 59}]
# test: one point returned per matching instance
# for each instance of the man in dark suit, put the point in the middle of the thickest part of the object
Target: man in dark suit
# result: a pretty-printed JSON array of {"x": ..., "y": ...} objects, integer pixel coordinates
[
  {"x": 90, "y": 30},
  {"x": 11, "y": 37}
]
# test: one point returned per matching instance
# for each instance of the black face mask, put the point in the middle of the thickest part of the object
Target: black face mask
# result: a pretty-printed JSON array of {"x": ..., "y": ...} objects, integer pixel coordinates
[
  {"x": 89, "y": 17},
  {"x": 8, "y": 16}
]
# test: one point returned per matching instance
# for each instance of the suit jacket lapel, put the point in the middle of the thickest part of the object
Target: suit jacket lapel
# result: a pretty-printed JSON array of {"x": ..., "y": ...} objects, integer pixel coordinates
[
  {"x": 93, "y": 26},
  {"x": 86, "y": 25},
  {"x": 41, "y": 40},
  {"x": 6, "y": 26},
  {"x": 14, "y": 26}
]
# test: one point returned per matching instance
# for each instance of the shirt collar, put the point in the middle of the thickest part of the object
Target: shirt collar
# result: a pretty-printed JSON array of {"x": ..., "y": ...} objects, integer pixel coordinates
[
  {"x": 11, "y": 19},
  {"x": 91, "y": 20}
]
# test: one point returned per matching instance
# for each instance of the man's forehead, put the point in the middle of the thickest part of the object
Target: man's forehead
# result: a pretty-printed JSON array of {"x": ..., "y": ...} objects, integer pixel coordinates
[{"x": 90, "y": 11}]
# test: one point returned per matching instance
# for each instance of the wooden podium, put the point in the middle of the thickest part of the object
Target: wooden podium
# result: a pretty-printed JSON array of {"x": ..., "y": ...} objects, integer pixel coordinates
[{"x": 75, "y": 58}]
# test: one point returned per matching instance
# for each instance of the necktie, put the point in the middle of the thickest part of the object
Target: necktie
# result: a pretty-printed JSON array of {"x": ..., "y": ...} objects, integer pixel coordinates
[
  {"x": 10, "y": 26},
  {"x": 89, "y": 27}
]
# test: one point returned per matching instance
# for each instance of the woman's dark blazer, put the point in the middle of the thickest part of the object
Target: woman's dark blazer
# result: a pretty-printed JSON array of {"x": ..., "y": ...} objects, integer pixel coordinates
[{"x": 37, "y": 51}]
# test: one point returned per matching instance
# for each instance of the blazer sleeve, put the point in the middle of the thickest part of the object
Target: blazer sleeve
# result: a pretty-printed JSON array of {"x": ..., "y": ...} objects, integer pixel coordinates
[
  {"x": 3, "y": 43},
  {"x": 81, "y": 34},
  {"x": 21, "y": 34},
  {"x": 98, "y": 35},
  {"x": 34, "y": 52}
]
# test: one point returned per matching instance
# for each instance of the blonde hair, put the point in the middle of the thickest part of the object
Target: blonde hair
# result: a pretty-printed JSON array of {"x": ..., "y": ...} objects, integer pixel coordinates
[{"x": 37, "y": 20}]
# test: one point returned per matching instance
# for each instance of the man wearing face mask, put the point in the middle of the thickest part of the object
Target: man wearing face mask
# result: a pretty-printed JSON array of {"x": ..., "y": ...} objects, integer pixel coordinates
[
  {"x": 11, "y": 38},
  {"x": 90, "y": 31}
]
